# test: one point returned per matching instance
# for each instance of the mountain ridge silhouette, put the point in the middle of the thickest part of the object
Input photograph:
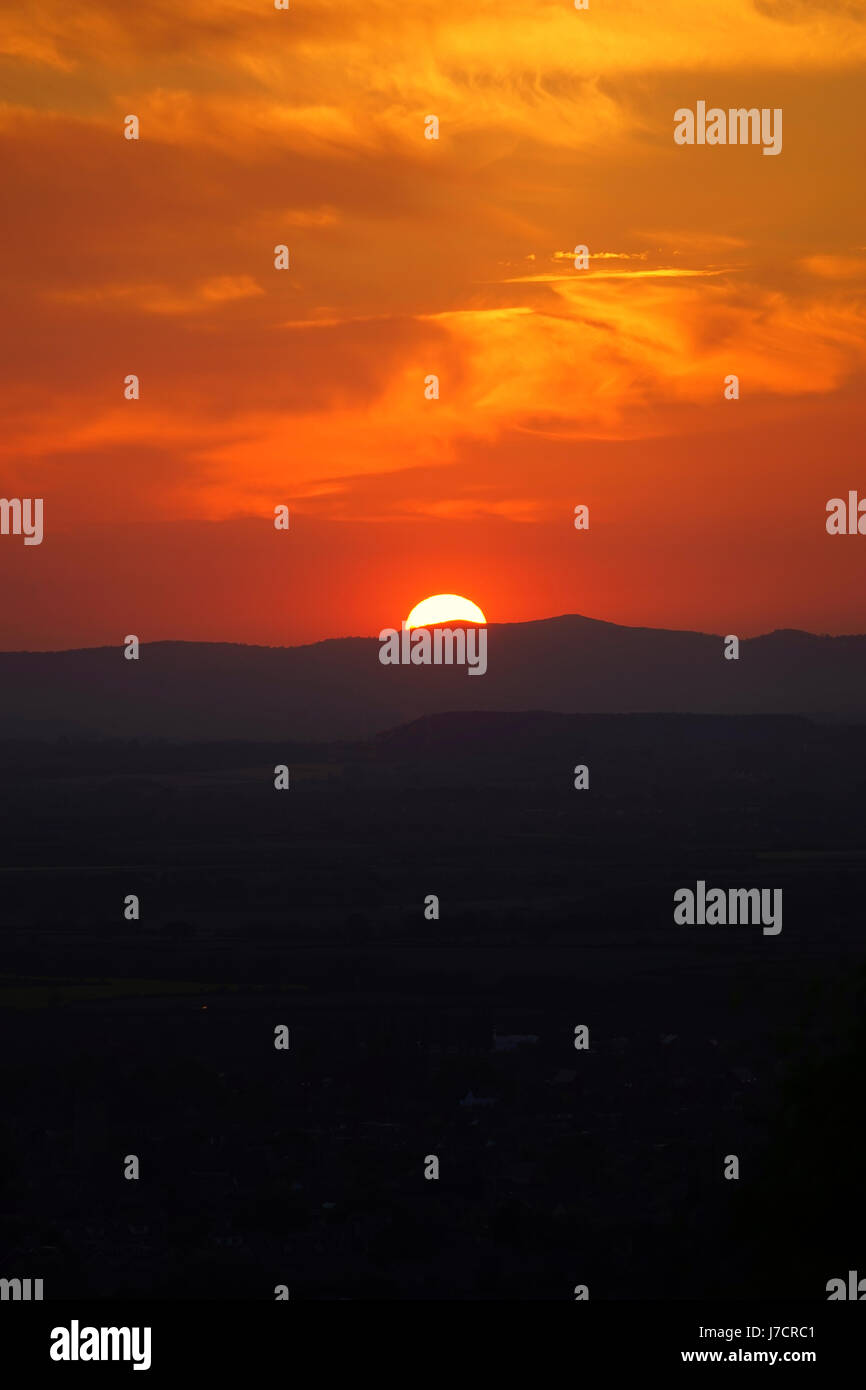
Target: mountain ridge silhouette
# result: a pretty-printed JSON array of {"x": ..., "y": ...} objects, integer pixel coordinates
[{"x": 337, "y": 688}]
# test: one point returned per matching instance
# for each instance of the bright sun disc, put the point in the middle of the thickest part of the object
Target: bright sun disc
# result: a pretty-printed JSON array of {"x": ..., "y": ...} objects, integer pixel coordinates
[{"x": 444, "y": 608}]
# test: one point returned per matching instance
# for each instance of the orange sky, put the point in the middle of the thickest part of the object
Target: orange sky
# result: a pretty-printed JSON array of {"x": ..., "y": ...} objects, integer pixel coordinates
[{"x": 411, "y": 257}]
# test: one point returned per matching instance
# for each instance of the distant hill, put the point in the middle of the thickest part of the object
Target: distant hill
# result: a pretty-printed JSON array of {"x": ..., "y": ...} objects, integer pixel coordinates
[{"x": 338, "y": 689}]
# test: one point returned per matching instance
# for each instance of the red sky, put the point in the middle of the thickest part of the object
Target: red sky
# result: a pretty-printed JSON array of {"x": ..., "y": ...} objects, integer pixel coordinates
[{"x": 411, "y": 257}]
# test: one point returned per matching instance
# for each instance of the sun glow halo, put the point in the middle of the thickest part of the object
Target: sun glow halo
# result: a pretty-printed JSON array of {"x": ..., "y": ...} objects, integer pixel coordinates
[{"x": 440, "y": 609}]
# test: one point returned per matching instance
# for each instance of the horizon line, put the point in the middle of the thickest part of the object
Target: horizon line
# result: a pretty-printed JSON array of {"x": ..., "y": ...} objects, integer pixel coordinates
[{"x": 375, "y": 637}]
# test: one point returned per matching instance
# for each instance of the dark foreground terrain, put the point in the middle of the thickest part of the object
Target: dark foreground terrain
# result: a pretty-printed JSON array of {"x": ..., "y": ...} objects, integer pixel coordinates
[{"x": 453, "y": 1037}]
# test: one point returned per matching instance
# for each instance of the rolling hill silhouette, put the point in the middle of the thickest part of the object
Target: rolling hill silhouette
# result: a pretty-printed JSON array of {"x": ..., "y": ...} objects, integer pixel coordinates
[{"x": 337, "y": 689}]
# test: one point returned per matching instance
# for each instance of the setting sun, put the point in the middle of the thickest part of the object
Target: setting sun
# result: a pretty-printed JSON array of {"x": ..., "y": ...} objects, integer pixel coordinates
[{"x": 444, "y": 608}]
